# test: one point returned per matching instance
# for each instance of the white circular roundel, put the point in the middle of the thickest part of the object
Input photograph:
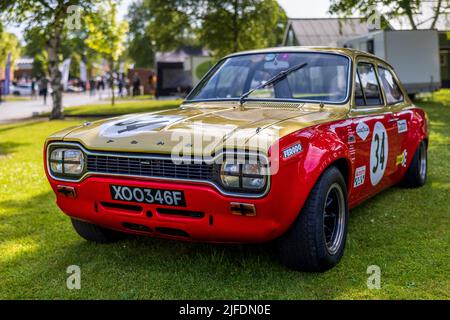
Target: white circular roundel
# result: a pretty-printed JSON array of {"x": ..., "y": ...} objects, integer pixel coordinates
[{"x": 378, "y": 153}]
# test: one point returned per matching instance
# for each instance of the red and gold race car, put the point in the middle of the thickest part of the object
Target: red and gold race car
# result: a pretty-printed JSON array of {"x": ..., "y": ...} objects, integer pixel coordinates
[{"x": 275, "y": 144}]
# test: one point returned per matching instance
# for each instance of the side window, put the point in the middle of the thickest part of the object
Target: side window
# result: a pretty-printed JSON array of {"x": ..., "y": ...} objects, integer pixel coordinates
[
  {"x": 368, "y": 82},
  {"x": 391, "y": 88},
  {"x": 359, "y": 96}
]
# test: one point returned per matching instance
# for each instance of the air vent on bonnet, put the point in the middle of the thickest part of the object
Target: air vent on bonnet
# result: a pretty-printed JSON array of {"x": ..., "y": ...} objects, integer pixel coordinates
[
  {"x": 274, "y": 105},
  {"x": 248, "y": 104}
]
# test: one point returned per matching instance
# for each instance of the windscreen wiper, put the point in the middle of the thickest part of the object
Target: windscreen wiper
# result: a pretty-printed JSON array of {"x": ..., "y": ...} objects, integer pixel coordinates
[{"x": 278, "y": 77}]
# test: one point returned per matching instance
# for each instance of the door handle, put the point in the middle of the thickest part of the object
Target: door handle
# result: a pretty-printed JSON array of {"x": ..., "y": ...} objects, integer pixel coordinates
[{"x": 393, "y": 120}]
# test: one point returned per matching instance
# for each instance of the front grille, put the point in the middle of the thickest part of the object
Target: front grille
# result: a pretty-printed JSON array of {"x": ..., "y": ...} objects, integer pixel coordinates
[{"x": 145, "y": 167}]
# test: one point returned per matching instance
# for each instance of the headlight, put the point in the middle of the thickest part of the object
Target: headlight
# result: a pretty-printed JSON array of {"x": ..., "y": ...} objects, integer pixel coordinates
[
  {"x": 65, "y": 161},
  {"x": 245, "y": 176}
]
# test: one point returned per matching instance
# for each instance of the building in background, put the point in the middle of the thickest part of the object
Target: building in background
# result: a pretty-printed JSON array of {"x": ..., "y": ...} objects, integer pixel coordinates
[
  {"x": 174, "y": 70},
  {"x": 402, "y": 48},
  {"x": 146, "y": 78},
  {"x": 23, "y": 69},
  {"x": 323, "y": 31},
  {"x": 444, "y": 57}
]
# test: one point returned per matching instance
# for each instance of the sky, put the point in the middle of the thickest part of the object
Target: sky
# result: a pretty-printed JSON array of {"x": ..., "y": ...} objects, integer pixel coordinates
[{"x": 293, "y": 8}]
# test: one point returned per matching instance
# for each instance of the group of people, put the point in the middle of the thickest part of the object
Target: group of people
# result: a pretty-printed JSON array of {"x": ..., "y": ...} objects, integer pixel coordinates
[{"x": 125, "y": 86}]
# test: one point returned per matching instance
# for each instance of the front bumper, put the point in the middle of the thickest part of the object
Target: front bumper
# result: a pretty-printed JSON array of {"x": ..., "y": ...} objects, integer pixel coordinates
[{"x": 93, "y": 203}]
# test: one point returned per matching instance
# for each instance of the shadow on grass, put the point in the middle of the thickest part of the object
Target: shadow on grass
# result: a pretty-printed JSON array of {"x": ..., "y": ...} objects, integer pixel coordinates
[
  {"x": 7, "y": 148},
  {"x": 19, "y": 125}
]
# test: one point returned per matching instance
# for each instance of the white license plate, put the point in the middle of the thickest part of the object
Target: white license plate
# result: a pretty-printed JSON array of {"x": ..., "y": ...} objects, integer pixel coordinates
[{"x": 147, "y": 195}]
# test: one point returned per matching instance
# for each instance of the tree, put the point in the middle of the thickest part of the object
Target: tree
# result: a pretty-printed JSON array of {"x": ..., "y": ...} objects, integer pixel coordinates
[
  {"x": 50, "y": 17},
  {"x": 8, "y": 44},
  {"x": 106, "y": 36},
  {"x": 224, "y": 26},
  {"x": 411, "y": 9},
  {"x": 140, "y": 44},
  {"x": 234, "y": 25}
]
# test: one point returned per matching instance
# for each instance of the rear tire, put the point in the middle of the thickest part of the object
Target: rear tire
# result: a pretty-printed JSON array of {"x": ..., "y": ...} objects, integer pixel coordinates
[
  {"x": 94, "y": 233},
  {"x": 316, "y": 240},
  {"x": 416, "y": 175}
]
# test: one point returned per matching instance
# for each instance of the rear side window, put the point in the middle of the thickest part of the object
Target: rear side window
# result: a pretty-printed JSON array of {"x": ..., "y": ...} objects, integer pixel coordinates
[
  {"x": 390, "y": 86},
  {"x": 369, "y": 93}
]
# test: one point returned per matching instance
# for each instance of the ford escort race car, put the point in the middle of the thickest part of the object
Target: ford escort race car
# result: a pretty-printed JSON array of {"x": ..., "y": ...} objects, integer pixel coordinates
[{"x": 275, "y": 144}]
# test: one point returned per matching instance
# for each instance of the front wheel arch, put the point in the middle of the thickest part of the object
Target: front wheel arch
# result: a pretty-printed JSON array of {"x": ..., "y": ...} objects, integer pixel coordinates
[
  {"x": 343, "y": 166},
  {"x": 304, "y": 245}
]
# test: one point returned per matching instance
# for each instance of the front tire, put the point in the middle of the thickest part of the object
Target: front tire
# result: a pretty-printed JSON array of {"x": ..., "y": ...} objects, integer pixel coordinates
[
  {"x": 416, "y": 175},
  {"x": 94, "y": 233},
  {"x": 316, "y": 240}
]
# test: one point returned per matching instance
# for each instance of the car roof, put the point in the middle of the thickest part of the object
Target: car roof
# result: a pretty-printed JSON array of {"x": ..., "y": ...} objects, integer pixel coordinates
[{"x": 352, "y": 53}]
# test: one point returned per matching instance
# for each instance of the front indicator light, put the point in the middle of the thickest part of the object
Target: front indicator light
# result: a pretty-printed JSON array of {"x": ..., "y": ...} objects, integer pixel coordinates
[
  {"x": 67, "y": 191},
  {"x": 243, "y": 209}
]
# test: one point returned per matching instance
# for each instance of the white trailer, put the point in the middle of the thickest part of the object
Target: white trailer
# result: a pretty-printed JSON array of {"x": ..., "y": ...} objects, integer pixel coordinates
[{"x": 414, "y": 54}]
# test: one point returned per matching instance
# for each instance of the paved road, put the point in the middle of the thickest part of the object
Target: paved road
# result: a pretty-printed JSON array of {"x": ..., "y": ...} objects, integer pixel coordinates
[{"x": 13, "y": 111}]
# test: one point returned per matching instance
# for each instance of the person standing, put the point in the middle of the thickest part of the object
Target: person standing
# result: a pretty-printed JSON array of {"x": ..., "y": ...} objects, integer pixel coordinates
[
  {"x": 120, "y": 85},
  {"x": 152, "y": 83},
  {"x": 33, "y": 89},
  {"x": 1, "y": 89},
  {"x": 43, "y": 85},
  {"x": 92, "y": 87},
  {"x": 136, "y": 84}
]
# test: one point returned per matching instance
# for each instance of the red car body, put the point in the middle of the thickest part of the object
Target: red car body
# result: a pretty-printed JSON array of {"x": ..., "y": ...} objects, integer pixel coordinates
[
  {"x": 323, "y": 145},
  {"x": 343, "y": 138}
]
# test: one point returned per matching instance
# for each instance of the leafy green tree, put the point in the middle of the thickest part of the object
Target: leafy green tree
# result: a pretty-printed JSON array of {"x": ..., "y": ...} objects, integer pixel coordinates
[
  {"x": 72, "y": 46},
  {"x": 140, "y": 44},
  {"x": 8, "y": 44},
  {"x": 107, "y": 36},
  {"x": 411, "y": 9},
  {"x": 35, "y": 47},
  {"x": 234, "y": 25},
  {"x": 224, "y": 26},
  {"x": 160, "y": 25},
  {"x": 50, "y": 17},
  {"x": 173, "y": 23}
]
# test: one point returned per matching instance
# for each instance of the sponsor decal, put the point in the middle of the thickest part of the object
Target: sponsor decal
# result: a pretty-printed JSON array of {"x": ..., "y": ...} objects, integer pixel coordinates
[
  {"x": 401, "y": 159},
  {"x": 360, "y": 176},
  {"x": 136, "y": 124},
  {"x": 289, "y": 152},
  {"x": 402, "y": 126},
  {"x": 362, "y": 130},
  {"x": 378, "y": 153}
]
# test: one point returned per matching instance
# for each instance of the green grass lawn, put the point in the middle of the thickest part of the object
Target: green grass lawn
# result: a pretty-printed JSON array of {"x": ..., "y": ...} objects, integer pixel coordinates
[
  {"x": 404, "y": 231},
  {"x": 135, "y": 98},
  {"x": 13, "y": 98},
  {"x": 122, "y": 107}
]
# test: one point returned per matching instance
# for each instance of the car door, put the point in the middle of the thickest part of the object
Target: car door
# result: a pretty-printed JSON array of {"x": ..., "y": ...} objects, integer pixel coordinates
[
  {"x": 375, "y": 138},
  {"x": 401, "y": 117}
]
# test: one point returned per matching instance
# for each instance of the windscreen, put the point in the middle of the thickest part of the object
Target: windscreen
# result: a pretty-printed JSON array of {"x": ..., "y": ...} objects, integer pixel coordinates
[{"x": 324, "y": 78}]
